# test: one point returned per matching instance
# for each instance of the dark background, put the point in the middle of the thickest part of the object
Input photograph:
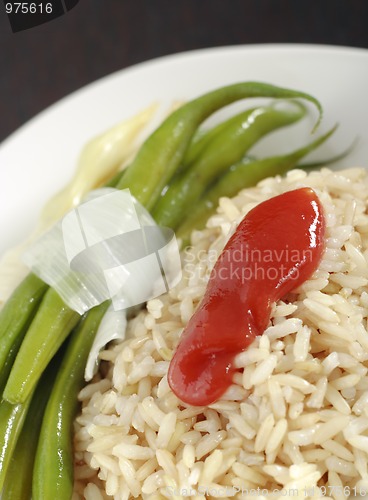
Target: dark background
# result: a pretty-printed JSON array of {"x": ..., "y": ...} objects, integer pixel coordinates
[{"x": 97, "y": 37}]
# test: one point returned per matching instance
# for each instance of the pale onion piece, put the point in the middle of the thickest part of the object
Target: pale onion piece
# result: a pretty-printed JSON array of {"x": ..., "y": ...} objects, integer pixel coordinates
[
  {"x": 112, "y": 327},
  {"x": 99, "y": 160},
  {"x": 109, "y": 247},
  {"x": 12, "y": 271}
]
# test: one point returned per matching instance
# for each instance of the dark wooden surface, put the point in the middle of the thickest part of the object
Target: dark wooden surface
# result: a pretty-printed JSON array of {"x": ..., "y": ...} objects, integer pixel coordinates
[{"x": 97, "y": 37}]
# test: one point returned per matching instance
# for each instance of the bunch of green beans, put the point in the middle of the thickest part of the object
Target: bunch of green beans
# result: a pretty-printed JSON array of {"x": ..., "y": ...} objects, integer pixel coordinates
[
  {"x": 245, "y": 173},
  {"x": 170, "y": 173}
]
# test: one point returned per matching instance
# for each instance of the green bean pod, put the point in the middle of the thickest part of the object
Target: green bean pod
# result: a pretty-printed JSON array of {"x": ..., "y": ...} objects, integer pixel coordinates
[
  {"x": 15, "y": 318},
  {"x": 48, "y": 330},
  {"x": 11, "y": 422},
  {"x": 241, "y": 175},
  {"x": 53, "y": 471},
  {"x": 202, "y": 138},
  {"x": 22, "y": 459},
  {"x": 162, "y": 153},
  {"x": 227, "y": 147}
]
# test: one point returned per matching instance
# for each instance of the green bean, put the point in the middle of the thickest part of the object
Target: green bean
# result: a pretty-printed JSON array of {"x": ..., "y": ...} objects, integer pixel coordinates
[
  {"x": 15, "y": 317},
  {"x": 11, "y": 421},
  {"x": 226, "y": 148},
  {"x": 244, "y": 174},
  {"x": 53, "y": 471},
  {"x": 162, "y": 153},
  {"x": 12, "y": 418},
  {"x": 48, "y": 330},
  {"x": 311, "y": 165},
  {"x": 18, "y": 478},
  {"x": 201, "y": 139}
]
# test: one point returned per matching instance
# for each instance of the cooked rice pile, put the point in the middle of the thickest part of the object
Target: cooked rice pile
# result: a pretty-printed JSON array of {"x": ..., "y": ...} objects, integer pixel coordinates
[{"x": 296, "y": 418}]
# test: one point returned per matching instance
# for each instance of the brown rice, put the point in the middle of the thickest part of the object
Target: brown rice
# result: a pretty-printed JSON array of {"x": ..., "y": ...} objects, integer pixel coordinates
[{"x": 295, "y": 421}]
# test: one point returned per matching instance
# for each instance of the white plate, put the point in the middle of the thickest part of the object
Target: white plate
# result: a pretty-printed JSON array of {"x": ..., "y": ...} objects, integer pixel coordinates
[{"x": 39, "y": 158}]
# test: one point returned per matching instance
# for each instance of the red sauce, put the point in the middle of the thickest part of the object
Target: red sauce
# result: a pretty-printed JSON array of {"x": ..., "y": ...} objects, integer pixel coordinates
[{"x": 276, "y": 247}]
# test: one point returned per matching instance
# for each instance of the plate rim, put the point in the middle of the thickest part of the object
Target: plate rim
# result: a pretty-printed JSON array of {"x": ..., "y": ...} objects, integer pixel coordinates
[{"x": 142, "y": 65}]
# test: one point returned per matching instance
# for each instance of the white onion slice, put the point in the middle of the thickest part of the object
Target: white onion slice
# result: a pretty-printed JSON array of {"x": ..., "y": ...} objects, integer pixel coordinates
[{"x": 112, "y": 327}]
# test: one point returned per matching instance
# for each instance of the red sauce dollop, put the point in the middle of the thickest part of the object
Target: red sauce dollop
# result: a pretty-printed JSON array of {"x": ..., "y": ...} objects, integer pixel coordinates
[{"x": 276, "y": 247}]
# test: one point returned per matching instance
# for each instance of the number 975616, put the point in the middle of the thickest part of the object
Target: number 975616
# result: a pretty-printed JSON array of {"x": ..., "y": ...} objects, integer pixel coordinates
[{"x": 28, "y": 8}]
